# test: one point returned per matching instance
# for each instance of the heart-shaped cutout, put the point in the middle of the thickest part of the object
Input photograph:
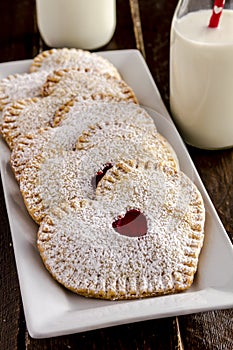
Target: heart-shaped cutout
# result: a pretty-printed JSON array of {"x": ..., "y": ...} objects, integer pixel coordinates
[
  {"x": 99, "y": 175},
  {"x": 133, "y": 224},
  {"x": 217, "y": 9}
]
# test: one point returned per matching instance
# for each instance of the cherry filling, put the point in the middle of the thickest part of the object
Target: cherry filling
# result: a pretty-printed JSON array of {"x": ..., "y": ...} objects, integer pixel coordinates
[
  {"x": 133, "y": 224},
  {"x": 99, "y": 175}
]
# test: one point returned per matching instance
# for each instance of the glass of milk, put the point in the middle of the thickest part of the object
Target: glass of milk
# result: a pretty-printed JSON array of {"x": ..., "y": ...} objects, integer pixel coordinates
[
  {"x": 85, "y": 24},
  {"x": 201, "y": 74}
]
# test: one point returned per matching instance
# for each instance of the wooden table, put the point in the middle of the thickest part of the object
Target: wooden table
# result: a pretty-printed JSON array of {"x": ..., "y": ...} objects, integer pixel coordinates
[{"x": 19, "y": 39}]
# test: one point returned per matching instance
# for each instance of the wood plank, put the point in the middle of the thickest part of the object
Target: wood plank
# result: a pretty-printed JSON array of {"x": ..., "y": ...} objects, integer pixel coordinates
[
  {"x": 17, "y": 30},
  {"x": 10, "y": 305},
  {"x": 136, "y": 19},
  {"x": 216, "y": 171},
  {"x": 208, "y": 330},
  {"x": 155, "y": 334},
  {"x": 156, "y": 19},
  {"x": 17, "y": 40}
]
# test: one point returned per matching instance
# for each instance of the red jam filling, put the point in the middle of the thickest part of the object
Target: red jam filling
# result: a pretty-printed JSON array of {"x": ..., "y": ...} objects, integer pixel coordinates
[
  {"x": 133, "y": 224},
  {"x": 100, "y": 174}
]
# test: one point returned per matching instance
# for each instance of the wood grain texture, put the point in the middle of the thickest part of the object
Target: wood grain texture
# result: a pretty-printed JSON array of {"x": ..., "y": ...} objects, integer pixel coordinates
[
  {"x": 18, "y": 37},
  {"x": 156, "y": 19},
  {"x": 208, "y": 330},
  {"x": 136, "y": 19},
  {"x": 10, "y": 305},
  {"x": 157, "y": 334},
  {"x": 216, "y": 171},
  {"x": 17, "y": 41}
]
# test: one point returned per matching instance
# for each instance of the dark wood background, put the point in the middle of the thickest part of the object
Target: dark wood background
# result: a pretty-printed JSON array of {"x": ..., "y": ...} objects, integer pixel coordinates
[{"x": 19, "y": 39}]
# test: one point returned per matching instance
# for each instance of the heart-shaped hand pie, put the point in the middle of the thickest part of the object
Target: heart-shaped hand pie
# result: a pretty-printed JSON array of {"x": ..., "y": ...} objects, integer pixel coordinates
[{"x": 88, "y": 250}]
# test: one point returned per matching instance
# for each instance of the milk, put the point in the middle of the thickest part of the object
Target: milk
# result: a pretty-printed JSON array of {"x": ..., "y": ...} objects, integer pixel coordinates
[
  {"x": 201, "y": 79},
  {"x": 86, "y": 24}
]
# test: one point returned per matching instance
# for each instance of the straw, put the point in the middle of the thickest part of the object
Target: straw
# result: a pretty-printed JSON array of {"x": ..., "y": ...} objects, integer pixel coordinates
[{"x": 216, "y": 14}]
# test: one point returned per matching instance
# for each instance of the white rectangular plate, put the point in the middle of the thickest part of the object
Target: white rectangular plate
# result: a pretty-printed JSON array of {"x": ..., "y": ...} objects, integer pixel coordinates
[{"x": 50, "y": 309}]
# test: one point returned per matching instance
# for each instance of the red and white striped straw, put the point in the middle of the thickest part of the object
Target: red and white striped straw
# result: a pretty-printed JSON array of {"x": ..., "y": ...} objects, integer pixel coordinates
[{"x": 216, "y": 14}]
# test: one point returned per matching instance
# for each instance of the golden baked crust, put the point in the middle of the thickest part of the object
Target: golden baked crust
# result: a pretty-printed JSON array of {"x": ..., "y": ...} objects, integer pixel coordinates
[
  {"x": 28, "y": 85},
  {"x": 75, "y": 121},
  {"x": 74, "y": 81},
  {"x": 71, "y": 176},
  {"x": 82, "y": 249},
  {"x": 67, "y": 58},
  {"x": 25, "y": 116},
  {"x": 21, "y": 86},
  {"x": 128, "y": 141}
]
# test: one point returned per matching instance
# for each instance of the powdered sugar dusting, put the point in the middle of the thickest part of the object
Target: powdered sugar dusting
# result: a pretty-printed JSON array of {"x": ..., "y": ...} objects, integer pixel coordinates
[
  {"x": 74, "y": 82},
  {"x": 67, "y": 176},
  {"x": 67, "y": 58},
  {"x": 78, "y": 119},
  {"x": 21, "y": 86},
  {"x": 108, "y": 265},
  {"x": 26, "y": 116}
]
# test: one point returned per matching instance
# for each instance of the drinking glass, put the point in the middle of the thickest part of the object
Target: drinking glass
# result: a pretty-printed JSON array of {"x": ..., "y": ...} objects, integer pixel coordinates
[
  {"x": 85, "y": 24},
  {"x": 201, "y": 73}
]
